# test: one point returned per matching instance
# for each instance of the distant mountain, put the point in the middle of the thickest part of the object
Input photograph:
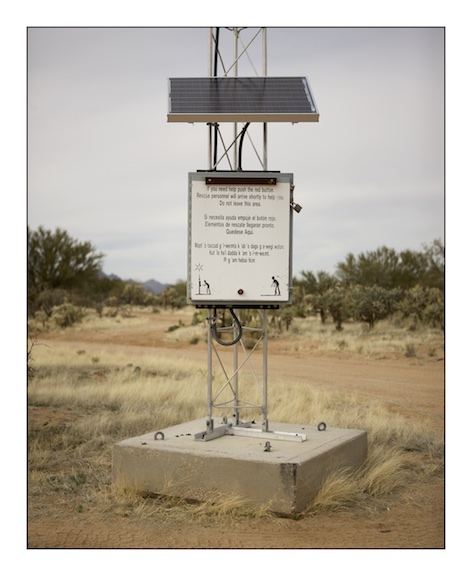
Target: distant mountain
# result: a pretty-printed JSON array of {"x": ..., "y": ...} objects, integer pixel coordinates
[
  {"x": 149, "y": 286},
  {"x": 154, "y": 286},
  {"x": 113, "y": 277}
]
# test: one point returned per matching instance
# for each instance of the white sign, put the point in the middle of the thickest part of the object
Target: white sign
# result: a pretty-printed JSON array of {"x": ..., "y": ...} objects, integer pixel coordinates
[{"x": 239, "y": 239}]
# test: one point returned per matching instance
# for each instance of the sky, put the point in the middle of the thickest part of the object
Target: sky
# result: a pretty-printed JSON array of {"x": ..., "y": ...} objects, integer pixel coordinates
[{"x": 105, "y": 164}]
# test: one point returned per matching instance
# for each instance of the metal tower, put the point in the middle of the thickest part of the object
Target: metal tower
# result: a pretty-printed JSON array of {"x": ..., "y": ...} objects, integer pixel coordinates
[{"x": 231, "y": 102}]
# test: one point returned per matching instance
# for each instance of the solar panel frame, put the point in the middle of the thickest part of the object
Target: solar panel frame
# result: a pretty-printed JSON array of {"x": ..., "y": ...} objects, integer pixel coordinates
[{"x": 241, "y": 99}]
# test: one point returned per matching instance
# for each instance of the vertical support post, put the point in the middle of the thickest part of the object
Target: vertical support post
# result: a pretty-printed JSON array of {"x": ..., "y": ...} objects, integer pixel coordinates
[
  {"x": 210, "y": 146},
  {"x": 210, "y": 73},
  {"x": 236, "y": 379},
  {"x": 210, "y": 51},
  {"x": 264, "y": 136},
  {"x": 264, "y": 73},
  {"x": 209, "y": 422},
  {"x": 235, "y": 59},
  {"x": 265, "y": 420},
  {"x": 264, "y": 51}
]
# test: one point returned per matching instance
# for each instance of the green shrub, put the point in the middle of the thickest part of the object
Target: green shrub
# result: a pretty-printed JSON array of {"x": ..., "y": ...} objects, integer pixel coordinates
[{"x": 67, "y": 315}]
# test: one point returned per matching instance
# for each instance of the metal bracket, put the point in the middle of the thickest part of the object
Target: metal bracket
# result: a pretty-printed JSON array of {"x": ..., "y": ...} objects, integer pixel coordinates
[{"x": 244, "y": 430}]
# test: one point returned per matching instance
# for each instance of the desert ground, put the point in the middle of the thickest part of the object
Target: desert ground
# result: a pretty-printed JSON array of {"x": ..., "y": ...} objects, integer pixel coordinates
[{"x": 411, "y": 385}]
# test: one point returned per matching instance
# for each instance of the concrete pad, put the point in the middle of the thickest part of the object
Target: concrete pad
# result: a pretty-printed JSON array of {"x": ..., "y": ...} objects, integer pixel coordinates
[{"x": 284, "y": 479}]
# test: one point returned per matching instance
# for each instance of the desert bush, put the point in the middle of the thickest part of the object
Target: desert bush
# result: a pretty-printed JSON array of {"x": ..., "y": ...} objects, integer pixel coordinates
[
  {"x": 48, "y": 299},
  {"x": 424, "y": 305},
  {"x": 372, "y": 303},
  {"x": 410, "y": 350},
  {"x": 132, "y": 294},
  {"x": 66, "y": 315},
  {"x": 336, "y": 302}
]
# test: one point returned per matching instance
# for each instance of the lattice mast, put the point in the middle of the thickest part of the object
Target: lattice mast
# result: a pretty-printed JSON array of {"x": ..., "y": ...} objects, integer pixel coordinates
[
  {"x": 227, "y": 200},
  {"x": 215, "y": 136}
]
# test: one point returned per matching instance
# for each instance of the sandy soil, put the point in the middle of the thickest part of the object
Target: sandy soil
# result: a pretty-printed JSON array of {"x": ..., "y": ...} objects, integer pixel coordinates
[{"x": 413, "y": 387}]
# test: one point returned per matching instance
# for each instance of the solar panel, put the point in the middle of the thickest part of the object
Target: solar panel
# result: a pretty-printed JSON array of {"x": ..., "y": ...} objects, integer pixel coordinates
[{"x": 238, "y": 99}]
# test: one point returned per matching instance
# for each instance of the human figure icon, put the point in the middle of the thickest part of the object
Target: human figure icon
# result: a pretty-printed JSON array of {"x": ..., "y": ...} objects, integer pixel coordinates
[
  {"x": 207, "y": 286},
  {"x": 275, "y": 285}
]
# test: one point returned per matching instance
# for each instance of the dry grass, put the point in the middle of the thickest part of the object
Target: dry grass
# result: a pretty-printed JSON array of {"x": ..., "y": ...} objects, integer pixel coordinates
[
  {"x": 100, "y": 398},
  {"x": 403, "y": 338}
]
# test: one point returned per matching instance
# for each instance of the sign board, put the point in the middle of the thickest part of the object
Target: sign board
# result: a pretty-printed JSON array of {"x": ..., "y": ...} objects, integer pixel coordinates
[{"x": 240, "y": 239}]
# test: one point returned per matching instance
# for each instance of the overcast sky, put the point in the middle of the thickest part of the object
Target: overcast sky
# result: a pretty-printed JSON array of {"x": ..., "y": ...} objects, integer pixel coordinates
[{"x": 105, "y": 165}]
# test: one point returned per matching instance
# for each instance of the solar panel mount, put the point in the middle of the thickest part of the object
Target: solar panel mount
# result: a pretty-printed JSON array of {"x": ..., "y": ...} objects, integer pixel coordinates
[{"x": 241, "y": 99}]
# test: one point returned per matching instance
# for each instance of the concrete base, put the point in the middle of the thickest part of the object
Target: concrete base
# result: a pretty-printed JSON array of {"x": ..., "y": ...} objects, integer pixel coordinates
[{"x": 284, "y": 478}]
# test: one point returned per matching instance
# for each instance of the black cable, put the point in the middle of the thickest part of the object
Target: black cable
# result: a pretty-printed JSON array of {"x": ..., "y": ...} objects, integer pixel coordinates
[
  {"x": 214, "y": 329},
  {"x": 215, "y": 61},
  {"x": 215, "y": 144},
  {"x": 243, "y": 132}
]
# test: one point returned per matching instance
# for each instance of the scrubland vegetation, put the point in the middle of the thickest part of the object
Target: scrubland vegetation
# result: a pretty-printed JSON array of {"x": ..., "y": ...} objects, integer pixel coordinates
[
  {"x": 81, "y": 399},
  {"x": 64, "y": 276}
]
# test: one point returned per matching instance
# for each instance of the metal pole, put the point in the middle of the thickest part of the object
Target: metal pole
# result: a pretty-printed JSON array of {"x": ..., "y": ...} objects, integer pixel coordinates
[
  {"x": 264, "y": 73},
  {"x": 210, "y": 73},
  {"x": 235, "y": 135},
  {"x": 209, "y": 423},
  {"x": 264, "y": 51},
  {"x": 235, "y": 154},
  {"x": 265, "y": 420},
  {"x": 215, "y": 73},
  {"x": 236, "y": 378},
  {"x": 210, "y": 51},
  {"x": 210, "y": 146}
]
